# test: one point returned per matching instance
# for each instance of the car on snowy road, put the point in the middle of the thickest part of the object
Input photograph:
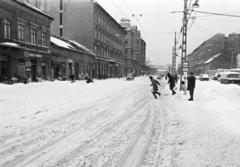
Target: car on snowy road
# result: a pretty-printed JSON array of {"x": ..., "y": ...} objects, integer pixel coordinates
[
  {"x": 204, "y": 77},
  {"x": 230, "y": 77},
  {"x": 129, "y": 76}
]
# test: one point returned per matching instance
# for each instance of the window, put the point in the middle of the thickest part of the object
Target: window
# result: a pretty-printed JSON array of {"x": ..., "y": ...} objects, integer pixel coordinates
[
  {"x": 96, "y": 35},
  {"x": 44, "y": 39},
  {"x": 21, "y": 32},
  {"x": 7, "y": 29},
  {"x": 99, "y": 36},
  {"x": 33, "y": 35},
  {"x": 95, "y": 49},
  {"x": 99, "y": 20}
]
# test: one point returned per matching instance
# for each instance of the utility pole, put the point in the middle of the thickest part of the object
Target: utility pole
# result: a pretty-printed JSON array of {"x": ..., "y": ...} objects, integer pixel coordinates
[
  {"x": 61, "y": 18},
  {"x": 184, "y": 39},
  {"x": 174, "y": 54}
]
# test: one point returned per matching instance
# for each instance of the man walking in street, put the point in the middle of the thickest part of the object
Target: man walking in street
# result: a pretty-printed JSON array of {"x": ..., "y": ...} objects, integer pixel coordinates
[
  {"x": 171, "y": 82},
  {"x": 191, "y": 85},
  {"x": 154, "y": 84}
]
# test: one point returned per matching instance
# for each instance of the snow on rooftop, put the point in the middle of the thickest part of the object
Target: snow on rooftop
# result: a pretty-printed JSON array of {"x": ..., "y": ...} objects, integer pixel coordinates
[
  {"x": 32, "y": 7},
  {"x": 61, "y": 43},
  {"x": 81, "y": 46},
  {"x": 212, "y": 58}
]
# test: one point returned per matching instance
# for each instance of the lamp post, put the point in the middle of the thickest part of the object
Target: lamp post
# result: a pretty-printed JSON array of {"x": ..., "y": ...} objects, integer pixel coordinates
[{"x": 184, "y": 36}]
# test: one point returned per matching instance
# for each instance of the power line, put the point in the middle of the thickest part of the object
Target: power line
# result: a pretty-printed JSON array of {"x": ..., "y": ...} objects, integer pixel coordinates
[
  {"x": 160, "y": 33},
  {"x": 119, "y": 8},
  {"x": 216, "y": 20},
  {"x": 208, "y": 15},
  {"x": 219, "y": 14},
  {"x": 131, "y": 11},
  {"x": 190, "y": 4}
]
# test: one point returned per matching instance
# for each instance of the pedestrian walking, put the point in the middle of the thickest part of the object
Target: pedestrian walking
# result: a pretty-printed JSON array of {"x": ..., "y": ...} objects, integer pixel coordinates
[
  {"x": 171, "y": 82},
  {"x": 154, "y": 84},
  {"x": 191, "y": 85}
]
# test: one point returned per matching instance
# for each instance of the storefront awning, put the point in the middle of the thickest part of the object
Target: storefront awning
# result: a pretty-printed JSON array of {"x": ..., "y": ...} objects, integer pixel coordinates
[
  {"x": 15, "y": 45},
  {"x": 10, "y": 44}
]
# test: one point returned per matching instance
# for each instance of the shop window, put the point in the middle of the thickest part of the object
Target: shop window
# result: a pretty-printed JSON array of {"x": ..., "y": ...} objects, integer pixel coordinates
[
  {"x": 33, "y": 35},
  {"x": 44, "y": 39},
  {"x": 21, "y": 31},
  {"x": 7, "y": 29}
]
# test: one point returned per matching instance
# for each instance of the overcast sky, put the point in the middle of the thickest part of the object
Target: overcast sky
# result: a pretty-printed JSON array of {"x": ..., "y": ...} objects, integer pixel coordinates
[{"x": 157, "y": 24}]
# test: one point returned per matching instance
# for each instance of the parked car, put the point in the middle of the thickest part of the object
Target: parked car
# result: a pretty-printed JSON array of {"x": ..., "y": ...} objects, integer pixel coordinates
[
  {"x": 229, "y": 77},
  {"x": 129, "y": 76},
  {"x": 204, "y": 77}
]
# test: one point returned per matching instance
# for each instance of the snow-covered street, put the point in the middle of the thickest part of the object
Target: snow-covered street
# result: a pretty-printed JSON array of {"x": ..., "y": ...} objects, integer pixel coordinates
[{"x": 118, "y": 123}]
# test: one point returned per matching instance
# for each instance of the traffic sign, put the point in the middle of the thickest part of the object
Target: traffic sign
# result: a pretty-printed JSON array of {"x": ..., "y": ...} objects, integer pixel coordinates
[
  {"x": 185, "y": 64},
  {"x": 185, "y": 69}
]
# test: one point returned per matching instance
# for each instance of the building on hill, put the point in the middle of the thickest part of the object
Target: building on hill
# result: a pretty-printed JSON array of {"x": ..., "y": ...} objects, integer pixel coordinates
[{"x": 217, "y": 52}]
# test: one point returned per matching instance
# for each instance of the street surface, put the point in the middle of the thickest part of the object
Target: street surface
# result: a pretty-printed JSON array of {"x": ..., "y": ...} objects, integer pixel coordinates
[{"x": 118, "y": 123}]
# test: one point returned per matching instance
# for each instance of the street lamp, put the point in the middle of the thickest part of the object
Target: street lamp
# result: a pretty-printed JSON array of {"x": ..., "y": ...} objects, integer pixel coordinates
[{"x": 195, "y": 5}]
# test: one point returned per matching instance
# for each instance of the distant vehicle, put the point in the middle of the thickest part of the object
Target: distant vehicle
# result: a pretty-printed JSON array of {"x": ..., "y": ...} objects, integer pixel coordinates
[
  {"x": 216, "y": 76},
  {"x": 160, "y": 76},
  {"x": 219, "y": 72},
  {"x": 235, "y": 70},
  {"x": 229, "y": 77},
  {"x": 204, "y": 77},
  {"x": 197, "y": 76},
  {"x": 129, "y": 76}
]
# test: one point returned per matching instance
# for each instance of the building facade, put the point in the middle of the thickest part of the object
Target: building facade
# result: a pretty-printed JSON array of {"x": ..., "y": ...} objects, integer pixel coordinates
[
  {"x": 24, "y": 41},
  {"x": 135, "y": 48},
  {"x": 86, "y": 22},
  {"x": 69, "y": 58},
  {"x": 143, "y": 56}
]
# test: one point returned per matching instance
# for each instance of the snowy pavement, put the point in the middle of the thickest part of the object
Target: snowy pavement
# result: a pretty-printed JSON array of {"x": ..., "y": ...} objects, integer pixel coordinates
[{"x": 117, "y": 123}]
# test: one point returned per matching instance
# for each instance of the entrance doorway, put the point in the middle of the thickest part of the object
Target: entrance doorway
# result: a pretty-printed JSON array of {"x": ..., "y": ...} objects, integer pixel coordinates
[
  {"x": 34, "y": 70},
  {"x": 4, "y": 71}
]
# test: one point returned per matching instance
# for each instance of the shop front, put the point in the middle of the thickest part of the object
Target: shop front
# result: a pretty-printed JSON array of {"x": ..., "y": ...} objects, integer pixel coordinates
[
  {"x": 37, "y": 66},
  {"x": 23, "y": 64}
]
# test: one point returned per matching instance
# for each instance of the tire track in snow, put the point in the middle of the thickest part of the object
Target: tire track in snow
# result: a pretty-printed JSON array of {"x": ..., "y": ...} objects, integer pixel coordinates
[
  {"x": 113, "y": 134},
  {"x": 52, "y": 132},
  {"x": 23, "y": 156},
  {"x": 157, "y": 142}
]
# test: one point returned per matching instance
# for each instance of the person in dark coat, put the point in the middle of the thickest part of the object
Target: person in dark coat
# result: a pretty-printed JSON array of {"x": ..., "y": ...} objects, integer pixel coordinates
[
  {"x": 171, "y": 82},
  {"x": 72, "y": 78},
  {"x": 88, "y": 79},
  {"x": 191, "y": 85},
  {"x": 155, "y": 84}
]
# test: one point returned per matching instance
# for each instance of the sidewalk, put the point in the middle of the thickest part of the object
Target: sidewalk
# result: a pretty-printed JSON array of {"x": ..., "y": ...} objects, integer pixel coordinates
[{"x": 204, "y": 132}]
